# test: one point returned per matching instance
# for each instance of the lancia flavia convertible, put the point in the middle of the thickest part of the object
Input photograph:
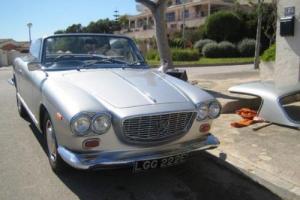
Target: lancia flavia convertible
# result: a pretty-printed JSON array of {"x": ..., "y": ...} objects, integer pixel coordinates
[{"x": 99, "y": 105}]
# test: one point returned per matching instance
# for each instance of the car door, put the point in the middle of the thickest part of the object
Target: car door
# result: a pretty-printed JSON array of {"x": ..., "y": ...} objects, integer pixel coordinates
[{"x": 25, "y": 77}]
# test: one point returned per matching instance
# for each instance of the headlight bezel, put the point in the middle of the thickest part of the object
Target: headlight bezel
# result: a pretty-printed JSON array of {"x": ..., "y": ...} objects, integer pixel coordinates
[
  {"x": 75, "y": 119},
  {"x": 208, "y": 105},
  {"x": 91, "y": 117},
  {"x": 205, "y": 105},
  {"x": 219, "y": 107},
  {"x": 95, "y": 117}
]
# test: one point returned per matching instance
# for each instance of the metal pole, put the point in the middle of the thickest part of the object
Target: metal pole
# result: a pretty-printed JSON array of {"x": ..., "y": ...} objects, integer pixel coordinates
[
  {"x": 258, "y": 35},
  {"x": 29, "y": 25},
  {"x": 183, "y": 25}
]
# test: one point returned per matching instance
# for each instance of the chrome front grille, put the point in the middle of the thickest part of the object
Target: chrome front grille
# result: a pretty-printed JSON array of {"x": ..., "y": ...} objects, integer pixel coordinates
[{"x": 155, "y": 128}]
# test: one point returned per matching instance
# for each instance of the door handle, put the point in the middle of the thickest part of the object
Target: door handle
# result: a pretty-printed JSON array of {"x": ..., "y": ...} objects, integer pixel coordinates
[{"x": 20, "y": 71}]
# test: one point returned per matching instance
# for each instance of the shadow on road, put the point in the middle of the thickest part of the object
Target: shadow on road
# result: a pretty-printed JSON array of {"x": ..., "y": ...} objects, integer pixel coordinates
[{"x": 199, "y": 178}]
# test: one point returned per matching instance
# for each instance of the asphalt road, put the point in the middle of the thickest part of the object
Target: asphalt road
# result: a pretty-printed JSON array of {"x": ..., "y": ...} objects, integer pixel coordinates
[{"x": 26, "y": 174}]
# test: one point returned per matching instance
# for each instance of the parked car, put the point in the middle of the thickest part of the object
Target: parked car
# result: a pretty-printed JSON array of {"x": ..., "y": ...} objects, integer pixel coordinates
[{"x": 100, "y": 106}]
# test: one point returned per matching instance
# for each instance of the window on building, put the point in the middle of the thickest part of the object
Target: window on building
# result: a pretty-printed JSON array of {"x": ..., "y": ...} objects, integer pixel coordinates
[
  {"x": 170, "y": 17},
  {"x": 178, "y": 2},
  {"x": 186, "y": 14}
]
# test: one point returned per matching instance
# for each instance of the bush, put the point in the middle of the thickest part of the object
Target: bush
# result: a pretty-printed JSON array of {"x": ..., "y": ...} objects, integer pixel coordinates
[
  {"x": 152, "y": 55},
  {"x": 228, "y": 49},
  {"x": 177, "y": 55},
  {"x": 223, "y": 25},
  {"x": 222, "y": 50},
  {"x": 185, "y": 55},
  {"x": 176, "y": 43},
  {"x": 211, "y": 50},
  {"x": 201, "y": 43},
  {"x": 269, "y": 54},
  {"x": 247, "y": 47}
]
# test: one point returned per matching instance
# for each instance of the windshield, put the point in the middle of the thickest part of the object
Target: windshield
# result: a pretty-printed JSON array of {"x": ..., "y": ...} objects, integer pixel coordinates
[{"x": 90, "y": 51}]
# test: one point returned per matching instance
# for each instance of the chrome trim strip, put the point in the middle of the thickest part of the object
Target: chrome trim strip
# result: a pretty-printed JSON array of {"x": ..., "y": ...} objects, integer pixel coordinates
[
  {"x": 128, "y": 158},
  {"x": 31, "y": 115}
]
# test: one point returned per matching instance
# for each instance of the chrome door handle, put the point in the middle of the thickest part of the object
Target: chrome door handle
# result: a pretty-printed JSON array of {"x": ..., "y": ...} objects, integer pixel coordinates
[{"x": 20, "y": 71}]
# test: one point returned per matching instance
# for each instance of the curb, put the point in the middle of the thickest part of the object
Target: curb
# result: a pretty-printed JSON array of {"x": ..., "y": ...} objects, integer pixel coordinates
[{"x": 280, "y": 187}]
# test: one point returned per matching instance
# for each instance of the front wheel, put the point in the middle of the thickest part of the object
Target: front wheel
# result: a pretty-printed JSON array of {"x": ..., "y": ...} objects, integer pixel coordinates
[{"x": 56, "y": 162}]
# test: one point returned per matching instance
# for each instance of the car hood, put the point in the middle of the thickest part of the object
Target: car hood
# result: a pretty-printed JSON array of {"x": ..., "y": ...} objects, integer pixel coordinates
[{"x": 124, "y": 88}]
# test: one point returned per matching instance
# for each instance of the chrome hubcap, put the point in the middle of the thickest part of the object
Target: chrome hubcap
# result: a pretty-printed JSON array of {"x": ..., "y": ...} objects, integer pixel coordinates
[{"x": 51, "y": 142}]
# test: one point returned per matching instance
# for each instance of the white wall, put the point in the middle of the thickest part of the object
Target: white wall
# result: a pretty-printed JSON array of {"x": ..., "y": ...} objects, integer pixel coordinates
[
  {"x": 287, "y": 67},
  {"x": 3, "y": 58}
]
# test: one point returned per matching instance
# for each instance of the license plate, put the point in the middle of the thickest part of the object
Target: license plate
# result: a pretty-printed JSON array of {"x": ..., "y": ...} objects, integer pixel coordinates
[{"x": 160, "y": 163}]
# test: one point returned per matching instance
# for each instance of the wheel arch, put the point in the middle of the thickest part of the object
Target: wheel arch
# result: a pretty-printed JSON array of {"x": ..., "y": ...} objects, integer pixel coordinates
[{"x": 42, "y": 112}]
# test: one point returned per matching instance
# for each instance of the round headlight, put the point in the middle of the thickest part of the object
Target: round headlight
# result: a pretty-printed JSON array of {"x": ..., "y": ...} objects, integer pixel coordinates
[
  {"x": 80, "y": 124},
  {"x": 101, "y": 123},
  {"x": 214, "y": 110},
  {"x": 202, "y": 112}
]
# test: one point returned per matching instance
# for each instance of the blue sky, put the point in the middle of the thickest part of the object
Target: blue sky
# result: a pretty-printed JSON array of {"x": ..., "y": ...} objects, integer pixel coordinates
[{"x": 48, "y": 16}]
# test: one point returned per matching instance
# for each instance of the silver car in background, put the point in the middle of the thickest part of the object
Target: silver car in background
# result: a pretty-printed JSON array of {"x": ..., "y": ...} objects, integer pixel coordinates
[{"x": 100, "y": 106}]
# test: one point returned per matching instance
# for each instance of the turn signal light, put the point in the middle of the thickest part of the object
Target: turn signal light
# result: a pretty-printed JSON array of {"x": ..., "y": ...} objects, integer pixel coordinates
[
  {"x": 91, "y": 143},
  {"x": 204, "y": 128}
]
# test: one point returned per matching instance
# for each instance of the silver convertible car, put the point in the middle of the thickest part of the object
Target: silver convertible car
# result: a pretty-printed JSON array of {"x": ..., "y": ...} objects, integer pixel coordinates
[{"x": 100, "y": 106}]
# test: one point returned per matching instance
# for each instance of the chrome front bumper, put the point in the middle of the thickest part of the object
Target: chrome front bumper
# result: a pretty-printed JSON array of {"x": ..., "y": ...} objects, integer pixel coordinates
[{"x": 104, "y": 160}]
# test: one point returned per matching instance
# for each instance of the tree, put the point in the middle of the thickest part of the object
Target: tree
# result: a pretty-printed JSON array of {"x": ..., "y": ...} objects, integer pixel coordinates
[
  {"x": 101, "y": 26},
  {"x": 124, "y": 21},
  {"x": 157, "y": 8},
  {"x": 224, "y": 26},
  {"x": 75, "y": 28},
  {"x": 59, "y": 32},
  {"x": 269, "y": 23}
]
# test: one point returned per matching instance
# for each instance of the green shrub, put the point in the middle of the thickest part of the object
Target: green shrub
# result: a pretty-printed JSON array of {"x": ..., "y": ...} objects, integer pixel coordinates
[
  {"x": 211, "y": 50},
  {"x": 152, "y": 55},
  {"x": 227, "y": 49},
  {"x": 247, "y": 47},
  {"x": 222, "y": 50},
  {"x": 201, "y": 43},
  {"x": 269, "y": 54},
  {"x": 185, "y": 55},
  {"x": 224, "y": 25},
  {"x": 176, "y": 43}
]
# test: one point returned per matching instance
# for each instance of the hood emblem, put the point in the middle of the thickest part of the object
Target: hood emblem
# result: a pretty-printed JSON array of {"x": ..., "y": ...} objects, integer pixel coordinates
[{"x": 162, "y": 126}]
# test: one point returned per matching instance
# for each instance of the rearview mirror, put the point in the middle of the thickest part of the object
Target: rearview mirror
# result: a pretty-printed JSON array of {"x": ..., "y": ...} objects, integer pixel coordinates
[{"x": 33, "y": 66}]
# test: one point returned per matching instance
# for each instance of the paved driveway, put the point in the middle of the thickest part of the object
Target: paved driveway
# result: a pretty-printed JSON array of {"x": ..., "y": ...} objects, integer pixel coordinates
[{"x": 25, "y": 173}]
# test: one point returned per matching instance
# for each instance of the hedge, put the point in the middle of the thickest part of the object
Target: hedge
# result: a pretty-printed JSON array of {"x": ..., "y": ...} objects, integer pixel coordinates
[
  {"x": 185, "y": 55},
  {"x": 201, "y": 43},
  {"x": 247, "y": 47},
  {"x": 222, "y": 50},
  {"x": 177, "y": 55}
]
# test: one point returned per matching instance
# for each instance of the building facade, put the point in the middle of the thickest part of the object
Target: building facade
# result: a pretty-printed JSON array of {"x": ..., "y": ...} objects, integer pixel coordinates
[{"x": 179, "y": 13}]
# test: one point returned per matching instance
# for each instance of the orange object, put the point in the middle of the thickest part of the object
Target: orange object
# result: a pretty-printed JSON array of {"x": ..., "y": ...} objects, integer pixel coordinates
[
  {"x": 59, "y": 116},
  {"x": 249, "y": 117}
]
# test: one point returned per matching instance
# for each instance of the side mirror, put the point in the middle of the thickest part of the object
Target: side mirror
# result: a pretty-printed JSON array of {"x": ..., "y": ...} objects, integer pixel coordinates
[{"x": 33, "y": 66}]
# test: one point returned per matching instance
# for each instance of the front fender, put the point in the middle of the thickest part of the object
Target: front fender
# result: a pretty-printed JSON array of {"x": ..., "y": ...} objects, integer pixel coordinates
[{"x": 64, "y": 98}]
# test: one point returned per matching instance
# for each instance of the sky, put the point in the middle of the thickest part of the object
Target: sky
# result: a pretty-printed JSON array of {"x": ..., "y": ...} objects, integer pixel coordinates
[{"x": 48, "y": 16}]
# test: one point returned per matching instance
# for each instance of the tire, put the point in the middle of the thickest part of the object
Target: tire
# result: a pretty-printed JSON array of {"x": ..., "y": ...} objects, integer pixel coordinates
[
  {"x": 21, "y": 109},
  {"x": 56, "y": 162}
]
